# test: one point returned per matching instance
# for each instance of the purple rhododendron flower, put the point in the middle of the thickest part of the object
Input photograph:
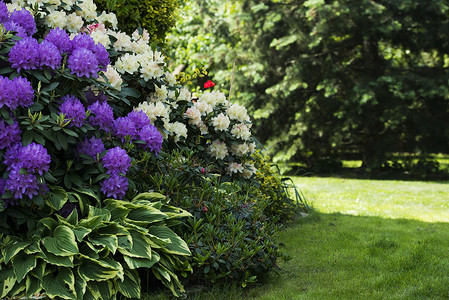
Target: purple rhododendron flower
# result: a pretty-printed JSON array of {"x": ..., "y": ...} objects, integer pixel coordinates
[
  {"x": 91, "y": 147},
  {"x": 83, "y": 40},
  {"x": 73, "y": 109},
  {"x": 115, "y": 186},
  {"x": 49, "y": 55},
  {"x": 101, "y": 115},
  {"x": 13, "y": 26},
  {"x": 11, "y": 156},
  {"x": 22, "y": 184},
  {"x": 16, "y": 92},
  {"x": 94, "y": 97},
  {"x": 25, "y": 54},
  {"x": 25, "y": 19},
  {"x": 152, "y": 138},
  {"x": 60, "y": 38},
  {"x": 9, "y": 134},
  {"x": 4, "y": 13},
  {"x": 34, "y": 158},
  {"x": 2, "y": 186},
  {"x": 116, "y": 160},
  {"x": 102, "y": 56},
  {"x": 4, "y": 91},
  {"x": 139, "y": 118},
  {"x": 123, "y": 127},
  {"x": 83, "y": 62},
  {"x": 23, "y": 90}
]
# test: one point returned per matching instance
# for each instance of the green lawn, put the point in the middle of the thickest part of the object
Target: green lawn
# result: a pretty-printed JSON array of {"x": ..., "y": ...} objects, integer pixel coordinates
[{"x": 366, "y": 239}]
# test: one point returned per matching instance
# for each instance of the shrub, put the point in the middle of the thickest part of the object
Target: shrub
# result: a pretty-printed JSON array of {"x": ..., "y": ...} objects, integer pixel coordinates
[
  {"x": 156, "y": 16},
  {"x": 230, "y": 235}
]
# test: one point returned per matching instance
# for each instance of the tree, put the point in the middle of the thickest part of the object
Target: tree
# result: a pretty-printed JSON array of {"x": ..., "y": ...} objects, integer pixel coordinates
[{"x": 338, "y": 78}]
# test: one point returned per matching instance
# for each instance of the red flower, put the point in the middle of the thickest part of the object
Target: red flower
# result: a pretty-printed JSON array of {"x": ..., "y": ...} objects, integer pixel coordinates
[
  {"x": 209, "y": 84},
  {"x": 205, "y": 208}
]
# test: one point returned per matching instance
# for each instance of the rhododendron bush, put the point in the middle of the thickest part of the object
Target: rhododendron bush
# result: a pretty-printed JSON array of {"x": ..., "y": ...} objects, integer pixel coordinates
[{"x": 84, "y": 108}]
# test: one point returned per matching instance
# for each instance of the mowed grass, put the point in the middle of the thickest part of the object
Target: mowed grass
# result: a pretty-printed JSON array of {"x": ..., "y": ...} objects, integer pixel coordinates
[
  {"x": 417, "y": 200},
  {"x": 365, "y": 239}
]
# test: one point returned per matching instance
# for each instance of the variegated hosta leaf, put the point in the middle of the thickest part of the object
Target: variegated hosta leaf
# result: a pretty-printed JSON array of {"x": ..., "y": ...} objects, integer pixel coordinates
[
  {"x": 63, "y": 242},
  {"x": 130, "y": 286},
  {"x": 22, "y": 263},
  {"x": 60, "y": 284},
  {"x": 177, "y": 245}
]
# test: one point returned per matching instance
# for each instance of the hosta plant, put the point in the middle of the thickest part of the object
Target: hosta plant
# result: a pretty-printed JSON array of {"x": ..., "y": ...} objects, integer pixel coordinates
[{"x": 96, "y": 257}]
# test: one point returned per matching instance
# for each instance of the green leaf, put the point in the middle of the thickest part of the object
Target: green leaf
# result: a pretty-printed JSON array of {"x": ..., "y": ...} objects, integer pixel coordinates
[
  {"x": 91, "y": 269},
  {"x": 80, "y": 286},
  {"x": 39, "y": 76},
  {"x": 149, "y": 196},
  {"x": 147, "y": 215},
  {"x": 7, "y": 282},
  {"x": 130, "y": 286},
  {"x": 63, "y": 242},
  {"x": 81, "y": 232},
  {"x": 23, "y": 263},
  {"x": 50, "y": 223},
  {"x": 27, "y": 137},
  {"x": 56, "y": 197},
  {"x": 63, "y": 261},
  {"x": 177, "y": 245},
  {"x": 60, "y": 284},
  {"x": 136, "y": 262},
  {"x": 106, "y": 241},
  {"x": 50, "y": 87},
  {"x": 32, "y": 286},
  {"x": 13, "y": 248},
  {"x": 140, "y": 246},
  {"x": 87, "y": 192}
]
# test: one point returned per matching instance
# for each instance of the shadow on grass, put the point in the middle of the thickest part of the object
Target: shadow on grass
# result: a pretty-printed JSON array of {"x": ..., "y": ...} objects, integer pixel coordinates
[{"x": 336, "y": 256}]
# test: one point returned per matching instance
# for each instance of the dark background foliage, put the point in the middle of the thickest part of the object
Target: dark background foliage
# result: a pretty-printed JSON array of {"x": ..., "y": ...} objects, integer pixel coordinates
[{"x": 329, "y": 80}]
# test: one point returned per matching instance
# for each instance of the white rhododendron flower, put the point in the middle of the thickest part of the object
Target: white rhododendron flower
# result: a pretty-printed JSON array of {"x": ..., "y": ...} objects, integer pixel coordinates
[
  {"x": 160, "y": 93},
  {"x": 74, "y": 23},
  {"x": 240, "y": 149},
  {"x": 170, "y": 79},
  {"x": 178, "y": 129},
  {"x": 151, "y": 70},
  {"x": 127, "y": 63},
  {"x": 248, "y": 170},
  {"x": 221, "y": 122},
  {"x": 123, "y": 42},
  {"x": 184, "y": 95},
  {"x": 154, "y": 110},
  {"x": 100, "y": 37},
  {"x": 194, "y": 115},
  {"x": 235, "y": 168},
  {"x": 203, "y": 128},
  {"x": 251, "y": 147},
  {"x": 13, "y": 6},
  {"x": 144, "y": 37},
  {"x": 140, "y": 47},
  {"x": 56, "y": 19},
  {"x": 108, "y": 18},
  {"x": 203, "y": 107},
  {"x": 114, "y": 78},
  {"x": 218, "y": 149},
  {"x": 88, "y": 10},
  {"x": 213, "y": 98},
  {"x": 237, "y": 112},
  {"x": 241, "y": 131}
]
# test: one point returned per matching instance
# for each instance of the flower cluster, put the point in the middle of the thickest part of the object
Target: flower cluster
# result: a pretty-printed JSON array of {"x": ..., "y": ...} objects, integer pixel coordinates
[
  {"x": 15, "y": 93},
  {"x": 137, "y": 125},
  {"x": 34, "y": 159},
  {"x": 73, "y": 110},
  {"x": 116, "y": 161},
  {"x": 92, "y": 147}
]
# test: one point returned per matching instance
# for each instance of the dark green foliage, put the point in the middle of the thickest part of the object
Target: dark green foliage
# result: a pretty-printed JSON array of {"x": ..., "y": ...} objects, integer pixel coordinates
[
  {"x": 334, "y": 79},
  {"x": 232, "y": 232},
  {"x": 156, "y": 16}
]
